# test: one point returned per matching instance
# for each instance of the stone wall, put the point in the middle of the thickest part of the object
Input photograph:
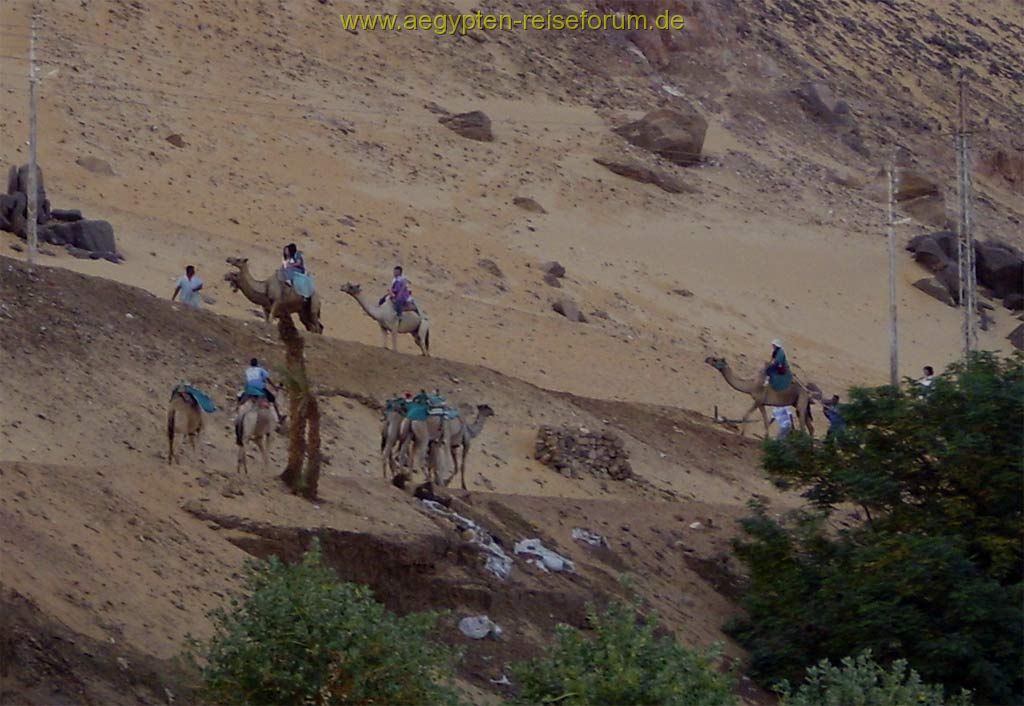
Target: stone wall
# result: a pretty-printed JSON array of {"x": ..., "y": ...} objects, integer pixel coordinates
[{"x": 573, "y": 452}]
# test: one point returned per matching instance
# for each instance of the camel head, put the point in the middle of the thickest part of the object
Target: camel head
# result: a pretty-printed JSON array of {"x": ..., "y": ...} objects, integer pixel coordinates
[
  {"x": 484, "y": 410},
  {"x": 238, "y": 262},
  {"x": 718, "y": 364},
  {"x": 232, "y": 279},
  {"x": 353, "y": 289}
]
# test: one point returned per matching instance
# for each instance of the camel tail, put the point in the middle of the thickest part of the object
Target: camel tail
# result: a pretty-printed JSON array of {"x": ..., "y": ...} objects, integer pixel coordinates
[
  {"x": 170, "y": 434},
  {"x": 240, "y": 429},
  {"x": 426, "y": 340}
]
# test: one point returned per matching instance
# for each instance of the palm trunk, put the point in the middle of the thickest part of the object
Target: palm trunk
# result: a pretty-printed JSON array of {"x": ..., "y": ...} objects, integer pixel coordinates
[{"x": 304, "y": 429}]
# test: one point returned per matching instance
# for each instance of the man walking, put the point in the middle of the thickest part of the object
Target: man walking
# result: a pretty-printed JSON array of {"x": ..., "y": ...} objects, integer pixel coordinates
[{"x": 189, "y": 286}]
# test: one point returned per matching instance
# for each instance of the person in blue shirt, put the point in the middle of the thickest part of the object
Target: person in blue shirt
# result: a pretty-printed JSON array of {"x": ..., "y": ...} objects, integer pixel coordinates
[
  {"x": 258, "y": 384},
  {"x": 836, "y": 423}
]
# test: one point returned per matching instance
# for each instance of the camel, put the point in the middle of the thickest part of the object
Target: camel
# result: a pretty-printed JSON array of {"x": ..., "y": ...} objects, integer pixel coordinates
[
  {"x": 461, "y": 436},
  {"x": 273, "y": 296},
  {"x": 183, "y": 417},
  {"x": 384, "y": 314},
  {"x": 391, "y": 439},
  {"x": 796, "y": 395},
  {"x": 431, "y": 434},
  {"x": 255, "y": 422}
]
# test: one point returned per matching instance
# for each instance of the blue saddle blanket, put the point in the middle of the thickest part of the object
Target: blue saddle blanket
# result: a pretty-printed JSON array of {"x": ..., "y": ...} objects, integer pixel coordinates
[
  {"x": 204, "y": 402},
  {"x": 253, "y": 391},
  {"x": 302, "y": 284}
]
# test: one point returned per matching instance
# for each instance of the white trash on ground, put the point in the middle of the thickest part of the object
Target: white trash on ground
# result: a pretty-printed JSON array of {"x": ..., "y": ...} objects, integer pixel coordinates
[
  {"x": 498, "y": 562},
  {"x": 478, "y": 627},
  {"x": 545, "y": 558},
  {"x": 592, "y": 538}
]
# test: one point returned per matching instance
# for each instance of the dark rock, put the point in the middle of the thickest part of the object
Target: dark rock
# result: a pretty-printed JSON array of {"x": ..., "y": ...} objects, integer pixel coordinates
[
  {"x": 567, "y": 308},
  {"x": 15, "y": 208},
  {"x": 551, "y": 280},
  {"x": 553, "y": 268},
  {"x": 999, "y": 267},
  {"x": 177, "y": 140},
  {"x": 94, "y": 236},
  {"x": 95, "y": 165},
  {"x": 66, "y": 215},
  {"x": 474, "y": 125},
  {"x": 949, "y": 277},
  {"x": 1016, "y": 337},
  {"x": 492, "y": 267},
  {"x": 528, "y": 204},
  {"x": 1014, "y": 302},
  {"x": 929, "y": 254},
  {"x": 645, "y": 175},
  {"x": 682, "y": 292},
  {"x": 676, "y": 136},
  {"x": 944, "y": 239},
  {"x": 77, "y": 252},
  {"x": 934, "y": 288}
]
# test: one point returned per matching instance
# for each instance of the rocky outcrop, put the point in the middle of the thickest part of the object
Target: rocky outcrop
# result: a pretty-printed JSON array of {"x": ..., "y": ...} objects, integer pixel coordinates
[
  {"x": 574, "y": 452},
  {"x": 677, "y": 136},
  {"x": 474, "y": 125},
  {"x": 57, "y": 226},
  {"x": 934, "y": 288},
  {"x": 528, "y": 204},
  {"x": 999, "y": 267}
]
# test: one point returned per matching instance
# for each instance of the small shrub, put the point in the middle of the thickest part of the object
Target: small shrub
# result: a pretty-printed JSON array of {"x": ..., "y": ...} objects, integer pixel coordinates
[
  {"x": 624, "y": 664},
  {"x": 301, "y": 637},
  {"x": 862, "y": 682}
]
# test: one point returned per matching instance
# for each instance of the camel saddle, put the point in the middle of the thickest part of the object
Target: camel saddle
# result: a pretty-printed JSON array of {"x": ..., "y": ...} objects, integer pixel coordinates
[{"x": 194, "y": 396}]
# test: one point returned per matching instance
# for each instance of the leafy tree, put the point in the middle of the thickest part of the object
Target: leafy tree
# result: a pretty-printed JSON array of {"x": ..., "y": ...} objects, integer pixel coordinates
[
  {"x": 933, "y": 573},
  {"x": 301, "y": 637},
  {"x": 625, "y": 664},
  {"x": 861, "y": 681}
]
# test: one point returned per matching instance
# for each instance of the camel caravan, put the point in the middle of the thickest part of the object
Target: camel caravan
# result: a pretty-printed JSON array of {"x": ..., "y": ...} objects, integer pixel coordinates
[{"x": 422, "y": 433}]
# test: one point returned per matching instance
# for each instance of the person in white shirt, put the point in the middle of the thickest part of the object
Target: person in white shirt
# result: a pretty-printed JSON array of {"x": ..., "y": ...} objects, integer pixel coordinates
[
  {"x": 189, "y": 286},
  {"x": 784, "y": 418},
  {"x": 929, "y": 376}
]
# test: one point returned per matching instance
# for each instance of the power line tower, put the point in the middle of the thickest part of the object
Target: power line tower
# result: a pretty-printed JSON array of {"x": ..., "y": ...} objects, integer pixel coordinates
[
  {"x": 965, "y": 236},
  {"x": 33, "y": 187},
  {"x": 894, "y": 341}
]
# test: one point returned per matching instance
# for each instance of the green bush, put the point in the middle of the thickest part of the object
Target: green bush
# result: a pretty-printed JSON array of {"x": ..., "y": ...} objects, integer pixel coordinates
[
  {"x": 625, "y": 664},
  {"x": 862, "y": 682},
  {"x": 301, "y": 637},
  {"x": 934, "y": 571}
]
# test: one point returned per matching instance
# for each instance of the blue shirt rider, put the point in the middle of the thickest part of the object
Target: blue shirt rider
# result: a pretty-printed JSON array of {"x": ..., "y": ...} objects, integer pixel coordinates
[{"x": 258, "y": 384}]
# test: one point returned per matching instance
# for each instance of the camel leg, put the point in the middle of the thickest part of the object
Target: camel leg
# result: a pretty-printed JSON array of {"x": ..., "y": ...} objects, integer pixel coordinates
[
  {"x": 764, "y": 418},
  {"x": 262, "y": 446},
  {"x": 394, "y": 340},
  {"x": 462, "y": 465},
  {"x": 743, "y": 421},
  {"x": 273, "y": 311},
  {"x": 384, "y": 336},
  {"x": 170, "y": 436},
  {"x": 241, "y": 466}
]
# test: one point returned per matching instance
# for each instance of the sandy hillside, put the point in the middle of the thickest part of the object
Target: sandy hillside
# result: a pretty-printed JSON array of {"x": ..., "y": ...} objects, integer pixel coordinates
[
  {"x": 105, "y": 543},
  {"x": 292, "y": 129}
]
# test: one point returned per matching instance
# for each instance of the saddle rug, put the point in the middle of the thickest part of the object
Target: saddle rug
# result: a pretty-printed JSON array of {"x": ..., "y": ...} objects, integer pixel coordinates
[
  {"x": 200, "y": 397},
  {"x": 302, "y": 284}
]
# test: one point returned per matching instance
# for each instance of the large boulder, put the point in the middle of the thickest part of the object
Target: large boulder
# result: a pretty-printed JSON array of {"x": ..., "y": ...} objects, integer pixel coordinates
[
  {"x": 1016, "y": 337},
  {"x": 934, "y": 288},
  {"x": 17, "y": 182},
  {"x": 945, "y": 240},
  {"x": 94, "y": 236},
  {"x": 676, "y": 136},
  {"x": 999, "y": 267},
  {"x": 474, "y": 125},
  {"x": 930, "y": 254}
]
